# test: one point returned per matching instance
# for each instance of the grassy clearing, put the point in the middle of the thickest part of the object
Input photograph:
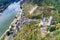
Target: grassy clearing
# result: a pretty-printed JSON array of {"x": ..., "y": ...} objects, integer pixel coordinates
[
  {"x": 35, "y": 15},
  {"x": 29, "y": 31}
]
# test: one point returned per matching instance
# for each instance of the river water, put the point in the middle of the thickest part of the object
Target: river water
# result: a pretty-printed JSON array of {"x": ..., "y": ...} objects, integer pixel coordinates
[{"x": 8, "y": 16}]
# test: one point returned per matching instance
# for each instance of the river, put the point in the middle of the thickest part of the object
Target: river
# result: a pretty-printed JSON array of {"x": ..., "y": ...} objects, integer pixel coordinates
[{"x": 8, "y": 16}]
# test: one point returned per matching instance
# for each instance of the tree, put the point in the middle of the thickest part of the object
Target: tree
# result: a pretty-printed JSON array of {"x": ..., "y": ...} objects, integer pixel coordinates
[{"x": 38, "y": 2}]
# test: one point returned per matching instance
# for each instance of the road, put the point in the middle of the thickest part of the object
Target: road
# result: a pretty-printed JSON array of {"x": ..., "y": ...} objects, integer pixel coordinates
[{"x": 19, "y": 24}]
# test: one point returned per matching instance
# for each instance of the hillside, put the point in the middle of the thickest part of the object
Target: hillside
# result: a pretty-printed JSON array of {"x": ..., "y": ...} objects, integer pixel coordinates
[{"x": 40, "y": 20}]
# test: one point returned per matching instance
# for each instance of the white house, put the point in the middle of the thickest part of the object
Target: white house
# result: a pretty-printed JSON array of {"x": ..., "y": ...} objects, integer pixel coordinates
[{"x": 44, "y": 23}]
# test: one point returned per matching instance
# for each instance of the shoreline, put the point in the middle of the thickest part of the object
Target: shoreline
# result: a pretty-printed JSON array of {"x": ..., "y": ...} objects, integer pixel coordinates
[{"x": 9, "y": 26}]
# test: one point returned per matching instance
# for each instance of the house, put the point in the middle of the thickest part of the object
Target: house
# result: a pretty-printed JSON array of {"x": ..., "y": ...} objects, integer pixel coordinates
[{"x": 46, "y": 21}]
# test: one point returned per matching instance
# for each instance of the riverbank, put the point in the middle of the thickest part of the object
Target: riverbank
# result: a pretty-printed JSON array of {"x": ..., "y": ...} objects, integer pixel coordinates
[
  {"x": 8, "y": 28},
  {"x": 8, "y": 16},
  {"x": 14, "y": 21}
]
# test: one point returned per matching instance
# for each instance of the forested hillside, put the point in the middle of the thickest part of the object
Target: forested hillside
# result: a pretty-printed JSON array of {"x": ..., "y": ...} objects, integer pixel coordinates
[
  {"x": 55, "y": 3},
  {"x": 34, "y": 34},
  {"x": 39, "y": 30}
]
